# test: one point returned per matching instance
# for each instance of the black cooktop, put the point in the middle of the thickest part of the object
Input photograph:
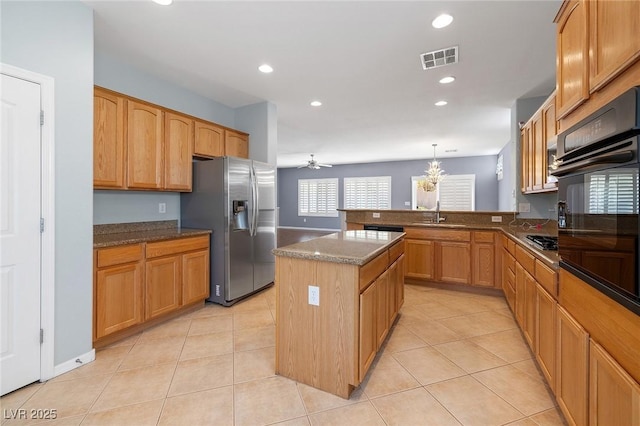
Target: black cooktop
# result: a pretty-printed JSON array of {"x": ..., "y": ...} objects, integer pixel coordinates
[{"x": 545, "y": 243}]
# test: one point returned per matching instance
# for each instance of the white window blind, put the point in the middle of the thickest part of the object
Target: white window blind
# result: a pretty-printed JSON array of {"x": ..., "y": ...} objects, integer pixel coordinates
[
  {"x": 457, "y": 193},
  {"x": 613, "y": 193},
  {"x": 367, "y": 193},
  {"x": 318, "y": 197}
]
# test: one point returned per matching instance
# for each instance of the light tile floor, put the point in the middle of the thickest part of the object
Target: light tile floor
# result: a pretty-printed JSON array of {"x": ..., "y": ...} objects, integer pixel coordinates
[{"x": 452, "y": 358}]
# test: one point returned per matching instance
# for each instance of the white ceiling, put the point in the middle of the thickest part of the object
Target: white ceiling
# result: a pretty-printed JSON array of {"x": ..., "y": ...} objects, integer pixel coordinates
[{"x": 360, "y": 58}]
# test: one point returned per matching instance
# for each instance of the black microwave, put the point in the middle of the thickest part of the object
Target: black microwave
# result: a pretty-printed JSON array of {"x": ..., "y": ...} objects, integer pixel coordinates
[{"x": 598, "y": 192}]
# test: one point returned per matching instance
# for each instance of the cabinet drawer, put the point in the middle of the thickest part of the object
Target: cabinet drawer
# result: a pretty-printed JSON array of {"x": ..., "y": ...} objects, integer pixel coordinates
[
  {"x": 437, "y": 234},
  {"x": 396, "y": 251},
  {"x": 547, "y": 278},
  {"x": 179, "y": 245},
  {"x": 510, "y": 261},
  {"x": 511, "y": 246},
  {"x": 119, "y": 255},
  {"x": 525, "y": 259},
  {"x": 483, "y": 237},
  {"x": 373, "y": 269}
]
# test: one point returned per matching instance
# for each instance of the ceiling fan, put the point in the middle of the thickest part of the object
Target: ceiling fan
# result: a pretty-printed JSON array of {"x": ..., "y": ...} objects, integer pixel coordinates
[{"x": 313, "y": 164}]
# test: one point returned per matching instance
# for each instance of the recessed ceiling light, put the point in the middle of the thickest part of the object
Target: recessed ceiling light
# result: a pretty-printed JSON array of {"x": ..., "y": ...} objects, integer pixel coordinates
[
  {"x": 315, "y": 103},
  {"x": 447, "y": 80},
  {"x": 265, "y": 68},
  {"x": 442, "y": 21},
  {"x": 441, "y": 103},
  {"x": 163, "y": 2}
]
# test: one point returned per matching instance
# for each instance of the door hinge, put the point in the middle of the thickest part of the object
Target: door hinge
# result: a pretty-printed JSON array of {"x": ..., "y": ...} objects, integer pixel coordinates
[
  {"x": 41, "y": 336},
  {"x": 41, "y": 117},
  {"x": 41, "y": 225}
]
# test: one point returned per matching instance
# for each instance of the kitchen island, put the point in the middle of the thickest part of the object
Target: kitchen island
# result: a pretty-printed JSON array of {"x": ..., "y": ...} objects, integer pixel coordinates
[{"x": 336, "y": 299}]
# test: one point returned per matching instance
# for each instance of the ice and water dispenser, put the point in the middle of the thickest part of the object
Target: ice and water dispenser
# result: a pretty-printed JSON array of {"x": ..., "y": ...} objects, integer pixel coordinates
[{"x": 240, "y": 215}]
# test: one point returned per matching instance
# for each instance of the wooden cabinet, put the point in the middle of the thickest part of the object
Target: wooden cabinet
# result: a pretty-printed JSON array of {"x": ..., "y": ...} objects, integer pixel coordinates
[
  {"x": 162, "y": 286},
  {"x": 236, "y": 144},
  {"x": 420, "y": 259},
  {"x": 141, "y": 282},
  {"x": 209, "y": 140},
  {"x": 537, "y": 137},
  {"x": 145, "y": 137},
  {"x": 331, "y": 346},
  {"x": 572, "y": 368},
  {"x": 538, "y": 152},
  {"x": 483, "y": 258},
  {"x": 614, "y": 43},
  {"x": 550, "y": 131},
  {"x": 118, "y": 289},
  {"x": 177, "y": 157},
  {"x": 108, "y": 140},
  {"x": 545, "y": 332},
  {"x": 526, "y": 151},
  {"x": 452, "y": 262},
  {"x": 573, "y": 55},
  {"x": 614, "y": 397}
]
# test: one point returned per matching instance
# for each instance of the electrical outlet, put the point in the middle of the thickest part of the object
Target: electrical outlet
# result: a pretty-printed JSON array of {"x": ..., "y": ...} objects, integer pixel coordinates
[
  {"x": 162, "y": 207},
  {"x": 496, "y": 219},
  {"x": 314, "y": 295},
  {"x": 407, "y": 203},
  {"x": 524, "y": 207},
  {"x": 376, "y": 215}
]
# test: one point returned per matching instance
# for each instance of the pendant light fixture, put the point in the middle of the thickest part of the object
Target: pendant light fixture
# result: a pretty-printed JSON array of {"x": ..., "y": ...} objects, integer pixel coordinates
[{"x": 433, "y": 175}]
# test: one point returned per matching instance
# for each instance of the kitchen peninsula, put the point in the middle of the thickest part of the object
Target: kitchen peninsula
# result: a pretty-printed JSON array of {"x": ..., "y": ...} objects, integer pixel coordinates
[{"x": 337, "y": 297}]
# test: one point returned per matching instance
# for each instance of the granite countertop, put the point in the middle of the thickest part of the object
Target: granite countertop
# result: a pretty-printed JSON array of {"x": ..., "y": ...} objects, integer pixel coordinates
[
  {"x": 351, "y": 247},
  {"x": 117, "y": 234}
]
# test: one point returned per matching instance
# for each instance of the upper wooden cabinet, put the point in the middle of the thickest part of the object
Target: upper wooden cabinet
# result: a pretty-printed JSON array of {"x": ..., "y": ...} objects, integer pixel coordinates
[
  {"x": 236, "y": 144},
  {"x": 209, "y": 140},
  {"x": 145, "y": 132},
  {"x": 572, "y": 51},
  {"x": 108, "y": 140},
  {"x": 538, "y": 138},
  {"x": 177, "y": 152},
  {"x": 614, "y": 39}
]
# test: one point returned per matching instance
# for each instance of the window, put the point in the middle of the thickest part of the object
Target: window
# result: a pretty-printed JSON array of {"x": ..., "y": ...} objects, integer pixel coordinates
[
  {"x": 455, "y": 192},
  {"x": 318, "y": 197},
  {"x": 367, "y": 193},
  {"x": 613, "y": 193}
]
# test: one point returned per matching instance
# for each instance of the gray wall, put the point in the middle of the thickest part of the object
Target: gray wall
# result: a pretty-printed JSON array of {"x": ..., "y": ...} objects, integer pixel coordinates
[
  {"x": 507, "y": 185},
  {"x": 400, "y": 171},
  {"x": 542, "y": 205},
  {"x": 56, "y": 39},
  {"x": 261, "y": 122},
  {"x": 134, "y": 206}
]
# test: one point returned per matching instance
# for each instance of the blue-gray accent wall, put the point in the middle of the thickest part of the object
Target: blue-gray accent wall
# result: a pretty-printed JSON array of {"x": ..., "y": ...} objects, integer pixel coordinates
[{"x": 483, "y": 167}]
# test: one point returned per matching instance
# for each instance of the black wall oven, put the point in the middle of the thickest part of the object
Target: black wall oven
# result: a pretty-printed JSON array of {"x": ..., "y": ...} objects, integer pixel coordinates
[{"x": 597, "y": 171}]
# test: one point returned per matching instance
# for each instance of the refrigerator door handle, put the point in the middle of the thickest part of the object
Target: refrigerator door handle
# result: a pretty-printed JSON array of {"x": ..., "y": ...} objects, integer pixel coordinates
[{"x": 254, "y": 201}]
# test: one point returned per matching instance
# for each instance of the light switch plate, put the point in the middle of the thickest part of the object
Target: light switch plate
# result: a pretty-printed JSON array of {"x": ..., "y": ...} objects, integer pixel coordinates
[
  {"x": 496, "y": 219},
  {"x": 524, "y": 207},
  {"x": 314, "y": 295},
  {"x": 162, "y": 207},
  {"x": 376, "y": 215}
]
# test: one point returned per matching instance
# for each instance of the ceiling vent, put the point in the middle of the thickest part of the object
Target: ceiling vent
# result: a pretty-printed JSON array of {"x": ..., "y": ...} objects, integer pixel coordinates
[{"x": 439, "y": 58}]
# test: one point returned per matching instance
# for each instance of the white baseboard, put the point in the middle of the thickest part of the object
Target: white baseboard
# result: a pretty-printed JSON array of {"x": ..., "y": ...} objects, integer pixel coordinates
[
  {"x": 74, "y": 363},
  {"x": 309, "y": 229}
]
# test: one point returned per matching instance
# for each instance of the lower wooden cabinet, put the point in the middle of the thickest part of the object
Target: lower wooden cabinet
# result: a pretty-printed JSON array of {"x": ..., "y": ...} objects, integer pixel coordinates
[
  {"x": 140, "y": 282},
  {"x": 572, "y": 368},
  {"x": 614, "y": 397},
  {"x": 545, "y": 348},
  {"x": 450, "y": 262},
  {"x": 368, "y": 339},
  {"x": 420, "y": 259},
  {"x": 382, "y": 314}
]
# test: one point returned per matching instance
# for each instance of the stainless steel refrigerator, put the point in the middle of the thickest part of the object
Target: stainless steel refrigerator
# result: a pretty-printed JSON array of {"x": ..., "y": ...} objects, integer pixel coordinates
[{"x": 236, "y": 198}]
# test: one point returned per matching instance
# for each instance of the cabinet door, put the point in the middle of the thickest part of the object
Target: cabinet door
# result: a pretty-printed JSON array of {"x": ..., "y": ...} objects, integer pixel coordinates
[
  {"x": 368, "y": 337},
  {"x": 614, "y": 397},
  {"x": 400, "y": 284},
  {"x": 209, "y": 140},
  {"x": 520, "y": 295},
  {"x": 118, "y": 298},
  {"x": 614, "y": 43},
  {"x": 572, "y": 369},
  {"x": 525, "y": 156},
  {"x": 236, "y": 144},
  {"x": 419, "y": 259},
  {"x": 144, "y": 146},
  {"x": 483, "y": 265},
  {"x": 392, "y": 303},
  {"x": 195, "y": 276},
  {"x": 108, "y": 140},
  {"x": 453, "y": 262},
  {"x": 162, "y": 286},
  {"x": 546, "y": 335},
  {"x": 550, "y": 132},
  {"x": 382, "y": 311},
  {"x": 572, "y": 71},
  {"x": 177, "y": 152},
  {"x": 530, "y": 296},
  {"x": 538, "y": 154}
]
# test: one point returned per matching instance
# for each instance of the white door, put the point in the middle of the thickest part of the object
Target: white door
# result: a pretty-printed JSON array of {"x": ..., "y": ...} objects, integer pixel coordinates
[{"x": 19, "y": 234}]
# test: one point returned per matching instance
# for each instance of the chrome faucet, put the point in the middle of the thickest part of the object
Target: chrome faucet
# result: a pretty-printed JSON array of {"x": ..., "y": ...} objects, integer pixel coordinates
[{"x": 438, "y": 218}]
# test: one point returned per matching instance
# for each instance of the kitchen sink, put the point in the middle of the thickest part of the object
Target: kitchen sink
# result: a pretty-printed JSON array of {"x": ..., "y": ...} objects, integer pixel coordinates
[{"x": 440, "y": 225}]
